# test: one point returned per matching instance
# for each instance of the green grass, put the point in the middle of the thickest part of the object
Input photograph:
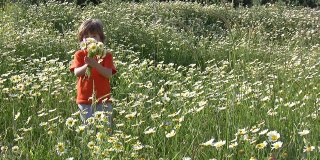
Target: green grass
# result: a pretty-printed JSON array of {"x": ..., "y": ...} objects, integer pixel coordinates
[{"x": 201, "y": 72}]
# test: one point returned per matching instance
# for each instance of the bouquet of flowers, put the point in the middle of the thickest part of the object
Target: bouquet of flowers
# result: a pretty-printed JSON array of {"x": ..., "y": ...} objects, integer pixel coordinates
[{"x": 95, "y": 49}]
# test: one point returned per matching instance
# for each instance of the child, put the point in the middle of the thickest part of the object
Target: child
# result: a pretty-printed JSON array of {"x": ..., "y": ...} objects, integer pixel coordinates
[{"x": 98, "y": 84}]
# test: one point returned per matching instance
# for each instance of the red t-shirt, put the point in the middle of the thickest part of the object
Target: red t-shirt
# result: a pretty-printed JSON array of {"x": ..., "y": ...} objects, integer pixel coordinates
[{"x": 97, "y": 83}]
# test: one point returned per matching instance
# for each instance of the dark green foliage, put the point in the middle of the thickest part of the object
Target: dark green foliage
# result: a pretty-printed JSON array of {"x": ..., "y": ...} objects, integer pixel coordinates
[
  {"x": 304, "y": 3},
  {"x": 245, "y": 3}
]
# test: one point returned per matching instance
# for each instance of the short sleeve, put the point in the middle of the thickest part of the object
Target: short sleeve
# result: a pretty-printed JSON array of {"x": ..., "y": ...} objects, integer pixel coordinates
[
  {"x": 108, "y": 63},
  {"x": 78, "y": 60}
]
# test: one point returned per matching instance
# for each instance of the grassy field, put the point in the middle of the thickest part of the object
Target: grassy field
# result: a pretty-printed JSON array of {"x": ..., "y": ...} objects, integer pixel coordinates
[{"x": 193, "y": 82}]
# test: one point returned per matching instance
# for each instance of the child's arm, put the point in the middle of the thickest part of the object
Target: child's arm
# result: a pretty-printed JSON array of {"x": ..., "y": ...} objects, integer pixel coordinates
[
  {"x": 80, "y": 71},
  {"x": 106, "y": 72}
]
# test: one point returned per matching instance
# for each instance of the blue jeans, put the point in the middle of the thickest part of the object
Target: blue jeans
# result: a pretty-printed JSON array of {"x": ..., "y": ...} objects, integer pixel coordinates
[{"x": 87, "y": 111}]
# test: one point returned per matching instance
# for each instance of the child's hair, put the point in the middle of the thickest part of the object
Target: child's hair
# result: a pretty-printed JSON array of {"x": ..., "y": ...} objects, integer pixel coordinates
[{"x": 91, "y": 26}]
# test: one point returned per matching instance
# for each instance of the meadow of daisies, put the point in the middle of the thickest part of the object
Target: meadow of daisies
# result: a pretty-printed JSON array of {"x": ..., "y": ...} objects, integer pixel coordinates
[{"x": 193, "y": 82}]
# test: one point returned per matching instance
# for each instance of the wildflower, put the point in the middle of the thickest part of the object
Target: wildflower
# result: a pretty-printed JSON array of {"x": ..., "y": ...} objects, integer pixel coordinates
[
  {"x": 70, "y": 122},
  {"x": 273, "y": 136},
  {"x": 53, "y": 119},
  {"x": 174, "y": 114},
  {"x": 219, "y": 144},
  {"x": 131, "y": 115},
  {"x": 99, "y": 136},
  {"x": 110, "y": 150},
  {"x": 42, "y": 114},
  {"x": 148, "y": 85},
  {"x": 90, "y": 131},
  {"x": 253, "y": 158},
  {"x": 261, "y": 145},
  {"x": 37, "y": 94},
  {"x": 314, "y": 115},
  {"x": 17, "y": 137},
  {"x": 90, "y": 120},
  {"x": 105, "y": 154},
  {"x": 61, "y": 151},
  {"x": 171, "y": 134},
  {"x": 232, "y": 145},
  {"x": 95, "y": 49},
  {"x": 261, "y": 124},
  {"x": 263, "y": 132},
  {"x": 222, "y": 108},
  {"x": 150, "y": 131},
  {"x": 4, "y": 148},
  {"x": 254, "y": 129},
  {"x": 304, "y": 132},
  {"x": 202, "y": 103},
  {"x": 272, "y": 112},
  {"x": 15, "y": 148},
  {"x": 17, "y": 116},
  {"x": 80, "y": 129},
  {"x": 100, "y": 45},
  {"x": 265, "y": 99},
  {"x": 15, "y": 78},
  {"x": 253, "y": 141},
  {"x": 50, "y": 131},
  {"x": 133, "y": 154},
  {"x": 92, "y": 47},
  {"x": 120, "y": 125},
  {"x": 59, "y": 145},
  {"x": 199, "y": 109},
  {"x": 99, "y": 115},
  {"x": 83, "y": 46},
  {"x": 60, "y": 148},
  {"x": 76, "y": 113},
  {"x": 137, "y": 146},
  {"x": 57, "y": 81},
  {"x": 112, "y": 139},
  {"x": 308, "y": 149},
  {"x": 96, "y": 150},
  {"x": 177, "y": 126},
  {"x": 276, "y": 145},
  {"x": 52, "y": 110},
  {"x": 5, "y": 90},
  {"x": 181, "y": 119},
  {"x": 91, "y": 144},
  {"x": 100, "y": 126},
  {"x": 155, "y": 116},
  {"x": 241, "y": 131},
  {"x": 160, "y": 92},
  {"x": 27, "y": 129},
  {"x": 208, "y": 143},
  {"x": 165, "y": 98},
  {"x": 118, "y": 147}
]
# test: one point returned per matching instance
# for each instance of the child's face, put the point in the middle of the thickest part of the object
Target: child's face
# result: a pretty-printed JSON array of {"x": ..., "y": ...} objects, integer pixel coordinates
[{"x": 93, "y": 35}]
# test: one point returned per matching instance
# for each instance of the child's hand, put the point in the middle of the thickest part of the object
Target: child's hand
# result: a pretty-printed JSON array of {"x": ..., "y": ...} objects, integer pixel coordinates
[{"x": 91, "y": 62}]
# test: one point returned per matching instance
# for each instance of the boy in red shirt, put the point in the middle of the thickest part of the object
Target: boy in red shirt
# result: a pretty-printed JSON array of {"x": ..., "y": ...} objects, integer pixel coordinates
[{"x": 98, "y": 84}]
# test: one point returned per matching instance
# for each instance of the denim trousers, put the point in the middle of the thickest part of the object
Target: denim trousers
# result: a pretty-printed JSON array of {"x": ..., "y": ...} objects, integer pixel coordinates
[{"x": 88, "y": 110}]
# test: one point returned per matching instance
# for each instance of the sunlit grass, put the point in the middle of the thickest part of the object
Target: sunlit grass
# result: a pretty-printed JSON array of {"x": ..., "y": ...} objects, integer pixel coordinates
[{"x": 242, "y": 84}]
